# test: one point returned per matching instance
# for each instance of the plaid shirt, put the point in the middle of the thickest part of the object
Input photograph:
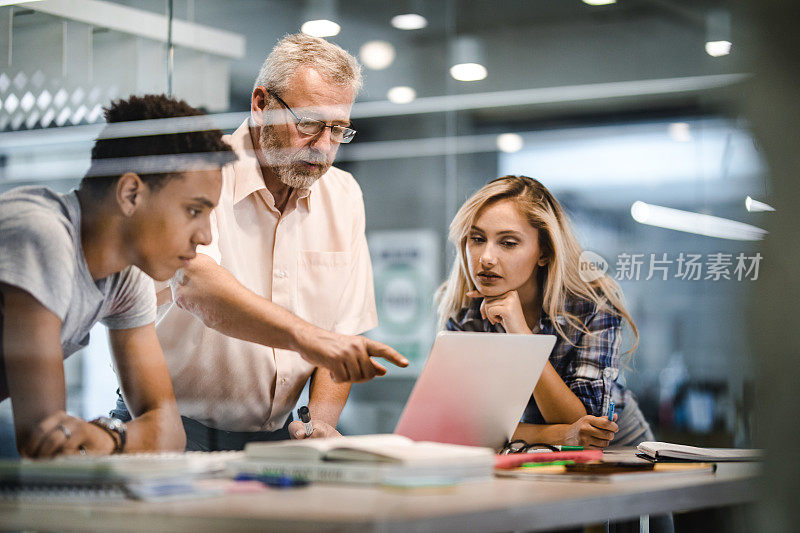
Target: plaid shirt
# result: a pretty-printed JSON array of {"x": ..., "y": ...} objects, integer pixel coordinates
[{"x": 588, "y": 364}]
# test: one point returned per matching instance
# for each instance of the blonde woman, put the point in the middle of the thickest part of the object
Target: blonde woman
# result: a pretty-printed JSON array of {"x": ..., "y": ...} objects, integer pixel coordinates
[{"x": 517, "y": 271}]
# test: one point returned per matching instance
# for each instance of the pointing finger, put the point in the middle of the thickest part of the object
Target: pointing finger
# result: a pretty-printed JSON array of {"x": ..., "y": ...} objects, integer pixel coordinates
[{"x": 378, "y": 349}]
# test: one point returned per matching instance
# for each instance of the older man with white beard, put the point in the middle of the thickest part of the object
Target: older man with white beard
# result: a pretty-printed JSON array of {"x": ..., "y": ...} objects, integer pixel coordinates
[{"x": 286, "y": 285}]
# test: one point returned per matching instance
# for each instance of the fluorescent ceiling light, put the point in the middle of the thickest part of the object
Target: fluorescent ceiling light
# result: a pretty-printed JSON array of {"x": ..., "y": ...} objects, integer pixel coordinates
[
  {"x": 409, "y": 21},
  {"x": 599, "y": 2},
  {"x": 320, "y": 28},
  {"x": 755, "y": 206},
  {"x": 12, "y": 2},
  {"x": 468, "y": 72},
  {"x": 700, "y": 224},
  {"x": 401, "y": 95},
  {"x": 509, "y": 142},
  {"x": 377, "y": 55},
  {"x": 718, "y": 48}
]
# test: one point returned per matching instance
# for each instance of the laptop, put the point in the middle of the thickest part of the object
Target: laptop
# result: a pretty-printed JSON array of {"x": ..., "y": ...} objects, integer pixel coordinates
[{"x": 474, "y": 388}]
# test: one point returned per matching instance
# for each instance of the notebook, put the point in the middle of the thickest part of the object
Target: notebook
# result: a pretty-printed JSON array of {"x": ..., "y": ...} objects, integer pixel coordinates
[
  {"x": 146, "y": 476},
  {"x": 474, "y": 388},
  {"x": 657, "y": 451},
  {"x": 387, "y": 448},
  {"x": 367, "y": 459}
]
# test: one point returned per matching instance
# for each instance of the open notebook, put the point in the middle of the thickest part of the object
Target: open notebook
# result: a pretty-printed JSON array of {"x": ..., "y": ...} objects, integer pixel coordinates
[
  {"x": 386, "y": 448},
  {"x": 667, "y": 451},
  {"x": 368, "y": 459}
]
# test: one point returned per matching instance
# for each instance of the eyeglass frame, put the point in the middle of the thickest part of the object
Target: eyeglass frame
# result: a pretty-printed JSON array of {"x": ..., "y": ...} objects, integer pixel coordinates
[
  {"x": 344, "y": 129},
  {"x": 510, "y": 447}
]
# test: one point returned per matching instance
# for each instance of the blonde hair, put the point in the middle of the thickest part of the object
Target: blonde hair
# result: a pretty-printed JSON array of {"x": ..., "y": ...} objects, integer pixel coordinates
[
  {"x": 559, "y": 279},
  {"x": 300, "y": 50}
]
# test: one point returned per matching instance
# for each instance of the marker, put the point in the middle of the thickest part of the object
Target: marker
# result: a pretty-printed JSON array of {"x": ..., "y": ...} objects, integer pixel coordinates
[
  {"x": 305, "y": 418},
  {"x": 281, "y": 482},
  {"x": 557, "y": 448},
  {"x": 611, "y": 410},
  {"x": 549, "y": 463}
]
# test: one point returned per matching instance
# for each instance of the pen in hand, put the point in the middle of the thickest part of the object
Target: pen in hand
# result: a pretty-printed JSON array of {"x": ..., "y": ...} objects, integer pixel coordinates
[
  {"x": 305, "y": 418},
  {"x": 611, "y": 410}
]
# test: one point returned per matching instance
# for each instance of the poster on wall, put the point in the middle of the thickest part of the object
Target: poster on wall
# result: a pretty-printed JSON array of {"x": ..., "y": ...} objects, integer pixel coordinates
[{"x": 406, "y": 271}]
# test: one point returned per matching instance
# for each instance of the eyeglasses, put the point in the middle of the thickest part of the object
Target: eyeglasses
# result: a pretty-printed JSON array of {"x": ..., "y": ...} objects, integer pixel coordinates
[
  {"x": 520, "y": 446},
  {"x": 310, "y": 126}
]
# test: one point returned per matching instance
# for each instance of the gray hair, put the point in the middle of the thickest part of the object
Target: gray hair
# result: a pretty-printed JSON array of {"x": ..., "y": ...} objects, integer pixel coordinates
[{"x": 300, "y": 50}]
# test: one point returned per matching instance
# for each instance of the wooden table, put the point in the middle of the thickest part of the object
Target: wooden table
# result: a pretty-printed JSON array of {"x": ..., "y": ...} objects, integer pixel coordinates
[{"x": 495, "y": 505}]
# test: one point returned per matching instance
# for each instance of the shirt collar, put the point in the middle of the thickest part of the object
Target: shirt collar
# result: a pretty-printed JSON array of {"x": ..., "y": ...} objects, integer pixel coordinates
[{"x": 247, "y": 171}]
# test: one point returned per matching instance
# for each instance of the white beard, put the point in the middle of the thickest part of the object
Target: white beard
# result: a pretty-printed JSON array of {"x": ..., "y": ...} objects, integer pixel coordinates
[{"x": 287, "y": 166}]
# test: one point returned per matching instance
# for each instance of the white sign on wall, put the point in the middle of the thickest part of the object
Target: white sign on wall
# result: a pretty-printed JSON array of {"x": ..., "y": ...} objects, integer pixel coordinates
[{"x": 406, "y": 271}]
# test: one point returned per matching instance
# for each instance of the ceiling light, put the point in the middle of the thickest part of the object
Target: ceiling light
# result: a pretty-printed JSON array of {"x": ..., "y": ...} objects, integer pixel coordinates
[
  {"x": 680, "y": 132},
  {"x": 700, "y": 224},
  {"x": 755, "y": 206},
  {"x": 466, "y": 58},
  {"x": 12, "y": 2},
  {"x": 718, "y": 48},
  {"x": 320, "y": 28},
  {"x": 509, "y": 142},
  {"x": 718, "y": 32},
  {"x": 319, "y": 16},
  {"x": 599, "y": 2},
  {"x": 401, "y": 95},
  {"x": 409, "y": 21},
  {"x": 468, "y": 72},
  {"x": 377, "y": 55}
]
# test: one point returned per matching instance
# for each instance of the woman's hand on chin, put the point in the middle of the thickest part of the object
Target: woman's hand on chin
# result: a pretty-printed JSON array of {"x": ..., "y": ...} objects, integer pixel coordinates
[{"x": 505, "y": 309}]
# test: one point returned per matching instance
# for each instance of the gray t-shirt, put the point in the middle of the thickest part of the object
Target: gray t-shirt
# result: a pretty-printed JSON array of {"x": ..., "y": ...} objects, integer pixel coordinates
[{"x": 41, "y": 253}]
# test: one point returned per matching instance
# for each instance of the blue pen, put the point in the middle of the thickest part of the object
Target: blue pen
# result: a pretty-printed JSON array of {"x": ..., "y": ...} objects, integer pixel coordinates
[
  {"x": 611, "y": 410},
  {"x": 282, "y": 482}
]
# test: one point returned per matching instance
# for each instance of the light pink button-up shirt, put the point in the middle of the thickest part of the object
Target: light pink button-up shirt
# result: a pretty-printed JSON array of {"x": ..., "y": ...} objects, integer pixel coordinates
[{"x": 312, "y": 260}]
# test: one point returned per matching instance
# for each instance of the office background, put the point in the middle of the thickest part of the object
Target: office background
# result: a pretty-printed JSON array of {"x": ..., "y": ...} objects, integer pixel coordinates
[{"x": 611, "y": 106}]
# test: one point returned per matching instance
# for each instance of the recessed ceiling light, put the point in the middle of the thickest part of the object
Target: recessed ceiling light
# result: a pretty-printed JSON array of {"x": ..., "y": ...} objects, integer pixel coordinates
[
  {"x": 377, "y": 55},
  {"x": 468, "y": 72},
  {"x": 509, "y": 142},
  {"x": 409, "y": 21},
  {"x": 401, "y": 94},
  {"x": 320, "y": 28},
  {"x": 599, "y": 2}
]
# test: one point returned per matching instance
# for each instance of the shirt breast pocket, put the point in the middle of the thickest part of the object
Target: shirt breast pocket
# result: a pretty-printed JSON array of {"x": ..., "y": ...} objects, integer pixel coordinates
[{"x": 322, "y": 277}]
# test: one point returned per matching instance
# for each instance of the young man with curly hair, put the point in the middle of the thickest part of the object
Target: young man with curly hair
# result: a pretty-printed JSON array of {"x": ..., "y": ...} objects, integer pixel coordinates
[{"x": 68, "y": 261}]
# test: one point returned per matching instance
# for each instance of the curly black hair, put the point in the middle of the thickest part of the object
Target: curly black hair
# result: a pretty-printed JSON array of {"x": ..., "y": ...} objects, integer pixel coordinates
[{"x": 157, "y": 151}]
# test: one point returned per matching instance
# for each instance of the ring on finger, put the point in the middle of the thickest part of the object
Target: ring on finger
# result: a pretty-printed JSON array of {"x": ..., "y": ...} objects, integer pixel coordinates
[{"x": 65, "y": 430}]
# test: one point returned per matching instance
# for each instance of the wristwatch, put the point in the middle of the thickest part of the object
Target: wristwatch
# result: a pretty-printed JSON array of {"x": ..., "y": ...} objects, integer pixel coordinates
[{"x": 114, "y": 427}]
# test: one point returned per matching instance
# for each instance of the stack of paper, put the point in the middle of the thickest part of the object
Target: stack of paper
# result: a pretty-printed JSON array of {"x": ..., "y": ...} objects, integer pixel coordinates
[
  {"x": 368, "y": 459},
  {"x": 149, "y": 476}
]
